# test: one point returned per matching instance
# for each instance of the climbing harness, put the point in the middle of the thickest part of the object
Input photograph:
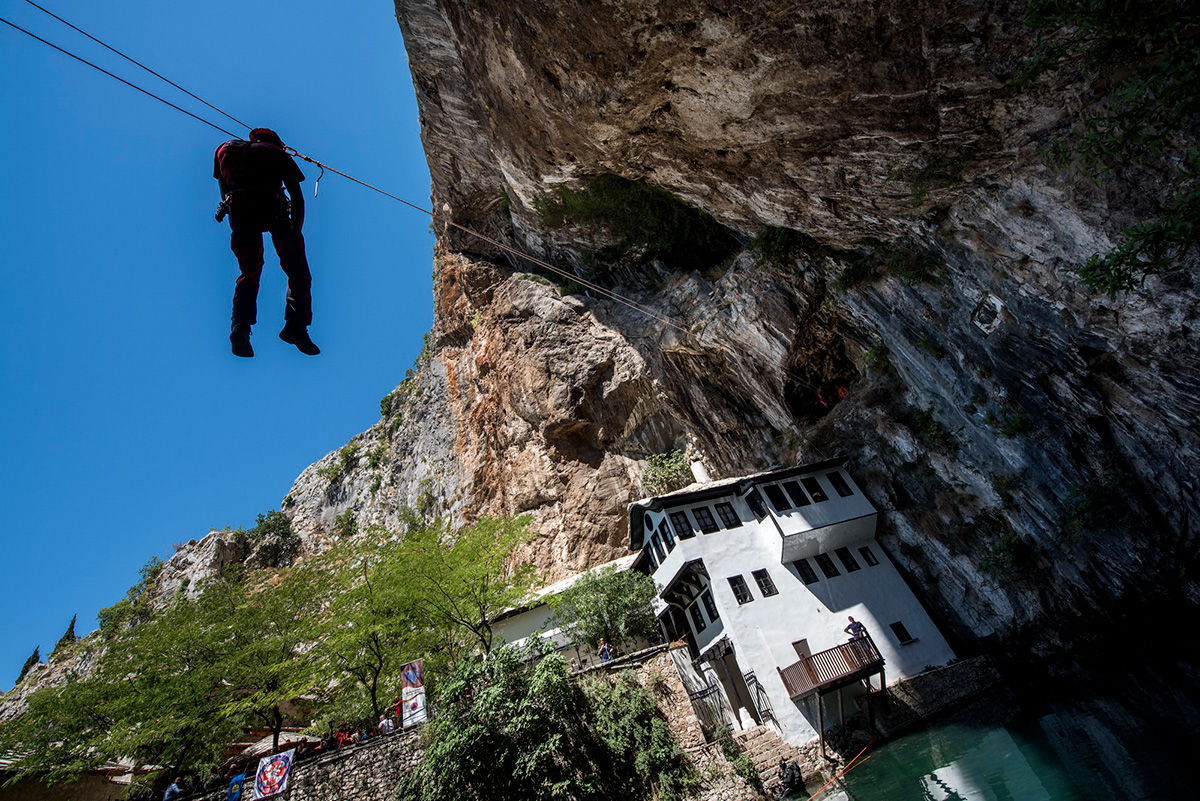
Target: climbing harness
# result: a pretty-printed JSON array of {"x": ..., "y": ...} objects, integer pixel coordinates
[{"x": 224, "y": 207}]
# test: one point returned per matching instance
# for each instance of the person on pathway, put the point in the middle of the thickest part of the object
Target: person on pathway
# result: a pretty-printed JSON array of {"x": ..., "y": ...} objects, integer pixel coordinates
[
  {"x": 252, "y": 177},
  {"x": 174, "y": 791}
]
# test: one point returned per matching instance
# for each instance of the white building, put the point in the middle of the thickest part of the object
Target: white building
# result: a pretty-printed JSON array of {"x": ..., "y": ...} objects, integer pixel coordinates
[
  {"x": 759, "y": 575},
  {"x": 535, "y": 616}
]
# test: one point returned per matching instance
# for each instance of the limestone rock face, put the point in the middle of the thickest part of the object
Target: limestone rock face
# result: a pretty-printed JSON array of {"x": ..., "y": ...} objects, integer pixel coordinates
[
  {"x": 1031, "y": 447},
  {"x": 198, "y": 562}
]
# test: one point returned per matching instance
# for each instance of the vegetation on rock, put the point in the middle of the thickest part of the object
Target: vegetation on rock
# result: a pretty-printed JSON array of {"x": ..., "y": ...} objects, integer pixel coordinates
[
  {"x": 1148, "y": 121},
  {"x": 642, "y": 216},
  {"x": 666, "y": 472},
  {"x": 776, "y": 247},
  {"x": 179, "y": 679},
  {"x": 68, "y": 639},
  {"x": 907, "y": 260},
  {"x": 33, "y": 659}
]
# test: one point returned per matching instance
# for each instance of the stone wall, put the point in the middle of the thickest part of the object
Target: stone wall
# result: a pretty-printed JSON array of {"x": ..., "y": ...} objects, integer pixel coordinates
[
  {"x": 372, "y": 771},
  {"x": 911, "y": 701},
  {"x": 366, "y": 772}
]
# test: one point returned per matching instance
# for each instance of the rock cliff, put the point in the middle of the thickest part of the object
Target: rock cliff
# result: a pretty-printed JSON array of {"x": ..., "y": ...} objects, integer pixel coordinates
[{"x": 1031, "y": 446}]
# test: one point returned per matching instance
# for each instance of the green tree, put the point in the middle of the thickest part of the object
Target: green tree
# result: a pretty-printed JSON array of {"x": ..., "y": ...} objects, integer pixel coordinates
[
  {"x": 374, "y": 625},
  {"x": 33, "y": 659},
  {"x": 276, "y": 544},
  {"x": 68, "y": 637},
  {"x": 612, "y": 604},
  {"x": 508, "y": 729},
  {"x": 176, "y": 688},
  {"x": 135, "y": 607},
  {"x": 465, "y": 580}
]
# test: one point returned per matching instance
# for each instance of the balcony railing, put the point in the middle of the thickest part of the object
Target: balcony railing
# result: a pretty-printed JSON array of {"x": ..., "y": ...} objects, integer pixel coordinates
[{"x": 828, "y": 670}]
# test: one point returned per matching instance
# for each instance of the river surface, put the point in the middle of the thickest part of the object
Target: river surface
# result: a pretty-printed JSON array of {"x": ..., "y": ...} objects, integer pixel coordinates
[{"x": 1096, "y": 749}]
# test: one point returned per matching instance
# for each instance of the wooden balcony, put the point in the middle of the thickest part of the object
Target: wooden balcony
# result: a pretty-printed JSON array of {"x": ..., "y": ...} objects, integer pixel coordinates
[{"x": 829, "y": 670}]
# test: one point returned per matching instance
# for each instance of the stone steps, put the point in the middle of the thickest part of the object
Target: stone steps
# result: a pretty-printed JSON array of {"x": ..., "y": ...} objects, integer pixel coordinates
[{"x": 765, "y": 748}]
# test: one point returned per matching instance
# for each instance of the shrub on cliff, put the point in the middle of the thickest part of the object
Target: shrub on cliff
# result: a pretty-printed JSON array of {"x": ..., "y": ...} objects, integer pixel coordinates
[
  {"x": 666, "y": 472},
  {"x": 642, "y": 216}
]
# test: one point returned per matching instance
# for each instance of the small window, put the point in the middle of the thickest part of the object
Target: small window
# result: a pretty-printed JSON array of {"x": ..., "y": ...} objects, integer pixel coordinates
[
  {"x": 827, "y": 566},
  {"x": 668, "y": 538},
  {"x": 729, "y": 518},
  {"x": 848, "y": 560},
  {"x": 814, "y": 489},
  {"x": 704, "y": 520},
  {"x": 650, "y": 555},
  {"x": 868, "y": 557},
  {"x": 697, "y": 618},
  {"x": 797, "y": 494},
  {"x": 775, "y": 494},
  {"x": 838, "y": 482},
  {"x": 807, "y": 574},
  {"x": 755, "y": 502},
  {"x": 658, "y": 548},
  {"x": 901, "y": 633},
  {"x": 763, "y": 579},
  {"x": 740, "y": 591},
  {"x": 683, "y": 526},
  {"x": 710, "y": 605}
]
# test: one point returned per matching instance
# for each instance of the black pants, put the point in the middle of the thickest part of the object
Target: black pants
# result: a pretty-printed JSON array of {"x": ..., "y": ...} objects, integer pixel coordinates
[{"x": 246, "y": 241}]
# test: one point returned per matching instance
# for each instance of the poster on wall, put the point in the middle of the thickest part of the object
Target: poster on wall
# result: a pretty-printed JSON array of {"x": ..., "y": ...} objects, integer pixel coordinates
[
  {"x": 272, "y": 776},
  {"x": 235, "y": 787},
  {"x": 412, "y": 694}
]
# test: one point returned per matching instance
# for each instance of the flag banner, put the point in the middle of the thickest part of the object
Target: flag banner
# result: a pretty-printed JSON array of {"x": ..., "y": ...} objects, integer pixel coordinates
[
  {"x": 235, "y": 787},
  {"x": 272, "y": 776},
  {"x": 412, "y": 694}
]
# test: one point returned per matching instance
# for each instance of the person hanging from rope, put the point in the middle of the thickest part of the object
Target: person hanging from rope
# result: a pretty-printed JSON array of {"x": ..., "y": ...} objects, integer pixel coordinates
[{"x": 252, "y": 177}]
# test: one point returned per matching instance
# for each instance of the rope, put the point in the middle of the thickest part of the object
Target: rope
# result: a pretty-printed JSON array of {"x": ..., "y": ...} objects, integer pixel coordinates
[
  {"x": 633, "y": 304},
  {"x": 117, "y": 77},
  {"x": 843, "y": 771},
  {"x": 139, "y": 64},
  {"x": 603, "y": 291}
]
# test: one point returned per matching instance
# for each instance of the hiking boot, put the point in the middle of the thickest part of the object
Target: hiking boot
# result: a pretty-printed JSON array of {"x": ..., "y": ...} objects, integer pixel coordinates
[
  {"x": 298, "y": 336},
  {"x": 239, "y": 338}
]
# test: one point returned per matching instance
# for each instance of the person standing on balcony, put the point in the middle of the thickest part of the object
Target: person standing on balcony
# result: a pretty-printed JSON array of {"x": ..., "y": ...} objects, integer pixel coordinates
[{"x": 856, "y": 630}]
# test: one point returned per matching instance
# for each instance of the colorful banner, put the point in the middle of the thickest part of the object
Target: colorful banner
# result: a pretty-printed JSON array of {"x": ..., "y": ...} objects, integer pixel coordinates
[
  {"x": 272, "y": 776},
  {"x": 412, "y": 694},
  {"x": 235, "y": 787}
]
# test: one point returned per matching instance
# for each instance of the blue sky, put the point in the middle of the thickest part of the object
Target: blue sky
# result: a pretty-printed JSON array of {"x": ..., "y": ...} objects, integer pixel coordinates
[{"x": 125, "y": 423}]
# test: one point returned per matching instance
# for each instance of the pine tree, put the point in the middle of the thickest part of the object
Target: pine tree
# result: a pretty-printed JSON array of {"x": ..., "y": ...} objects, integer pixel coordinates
[
  {"x": 68, "y": 637},
  {"x": 33, "y": 659}
]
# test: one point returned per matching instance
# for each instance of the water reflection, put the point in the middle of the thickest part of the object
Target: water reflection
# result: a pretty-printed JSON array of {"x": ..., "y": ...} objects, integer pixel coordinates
[
  {"x": 960, "y": 763},
  {"x": 1095, "y": 749}
]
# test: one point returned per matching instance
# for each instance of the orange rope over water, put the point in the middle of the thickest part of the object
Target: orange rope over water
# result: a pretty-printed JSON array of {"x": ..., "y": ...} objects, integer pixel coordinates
[{"x": 843, "y": 771}]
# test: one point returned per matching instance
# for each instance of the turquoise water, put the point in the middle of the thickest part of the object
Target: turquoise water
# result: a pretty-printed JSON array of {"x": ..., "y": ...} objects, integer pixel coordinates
[{"x": 1077, "y": 753}]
